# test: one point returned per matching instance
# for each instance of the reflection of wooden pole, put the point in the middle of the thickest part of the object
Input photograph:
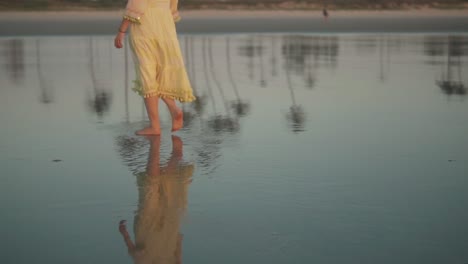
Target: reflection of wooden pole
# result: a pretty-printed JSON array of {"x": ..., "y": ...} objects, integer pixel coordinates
[
  {"x": 459, "y": 70},
  {"x": 387, "y": 64},
  {"x": 127, "y": 114},
  {"x": 198, "y": 104},
  {"x": 228, "y": 61},
  {"x": 91, "y": 70},
  {"x": 251, "y": 67},
  {"x": 449, "y": 66},
  {"x": 91, "y": 64},
  {"x": 262, "y": 71},
  {"x": 217, "y": 82},
  {"x": 38, "y": 60},
  {"x": 45, "y": 98},
  {"x": 288, "y": 78},
  {"x": 293, "y": 97},
  {"x": 15, "y": 54},
  {"x": 309, "y": 71},
  {"x": 274, "y": 71},
  {"x": 382, "y": 77},
  {"x": 205, "y": 68}
]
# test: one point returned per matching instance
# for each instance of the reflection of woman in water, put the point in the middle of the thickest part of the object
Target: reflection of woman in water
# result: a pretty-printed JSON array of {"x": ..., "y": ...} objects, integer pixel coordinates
[{"x": 161, "y": 204}]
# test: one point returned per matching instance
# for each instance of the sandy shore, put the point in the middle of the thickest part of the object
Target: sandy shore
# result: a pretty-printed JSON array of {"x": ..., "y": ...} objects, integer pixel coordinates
[{"x": 237, "y": 21}]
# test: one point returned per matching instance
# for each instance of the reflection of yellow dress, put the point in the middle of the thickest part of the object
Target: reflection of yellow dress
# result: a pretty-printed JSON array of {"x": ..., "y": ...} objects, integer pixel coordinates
[
  {"x": 162, "y": 202},
  {"x": 159, "y": 62}
]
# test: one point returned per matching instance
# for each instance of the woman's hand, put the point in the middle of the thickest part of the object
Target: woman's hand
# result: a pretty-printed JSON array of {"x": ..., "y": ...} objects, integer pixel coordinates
[
  {"x": 123, "y": 227},
  {"x": 118, "y": 41},
  {"x": 176, "y": 16}
]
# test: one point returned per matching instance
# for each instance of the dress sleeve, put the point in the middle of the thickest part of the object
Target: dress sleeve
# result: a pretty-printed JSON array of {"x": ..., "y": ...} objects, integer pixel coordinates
[{"x": 135, "y": 10}]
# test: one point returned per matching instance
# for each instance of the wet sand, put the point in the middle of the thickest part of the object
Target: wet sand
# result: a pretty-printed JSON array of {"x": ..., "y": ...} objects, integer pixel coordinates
[{"x": 215, "y": 21}]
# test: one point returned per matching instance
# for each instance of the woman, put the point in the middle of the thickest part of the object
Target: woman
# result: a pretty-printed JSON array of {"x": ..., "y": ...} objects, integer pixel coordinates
[{"x": 158, "y": 60}]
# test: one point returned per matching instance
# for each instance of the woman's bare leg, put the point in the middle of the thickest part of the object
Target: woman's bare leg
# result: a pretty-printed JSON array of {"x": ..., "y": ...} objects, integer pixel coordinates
[
  {"x": 176, "y": 156},
  {"x": 152, "y": 167},
  {"x": 151, "y": 104},
  {"x": 176, "y": 113}
]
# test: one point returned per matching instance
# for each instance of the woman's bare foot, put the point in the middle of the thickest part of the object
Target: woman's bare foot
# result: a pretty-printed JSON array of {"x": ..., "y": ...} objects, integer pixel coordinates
[
  {"x": 148, "y": 131},
  {"x": 177, "y": 120}
]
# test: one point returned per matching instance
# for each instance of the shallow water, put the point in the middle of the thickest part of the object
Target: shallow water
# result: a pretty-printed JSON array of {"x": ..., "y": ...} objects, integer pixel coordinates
[{"x": 301, "y": 149}]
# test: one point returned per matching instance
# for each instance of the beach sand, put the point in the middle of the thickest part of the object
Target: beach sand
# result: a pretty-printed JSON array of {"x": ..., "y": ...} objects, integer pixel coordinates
[{"x": 241, "y": 21}]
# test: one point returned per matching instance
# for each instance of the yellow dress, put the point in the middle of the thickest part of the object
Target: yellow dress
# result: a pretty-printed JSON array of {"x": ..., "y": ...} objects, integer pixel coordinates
[{"x": 157, "y": 55}]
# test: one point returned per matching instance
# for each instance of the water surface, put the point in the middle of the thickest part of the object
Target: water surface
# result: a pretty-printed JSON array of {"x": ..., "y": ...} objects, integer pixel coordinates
[{"x": 304, "y": 148}]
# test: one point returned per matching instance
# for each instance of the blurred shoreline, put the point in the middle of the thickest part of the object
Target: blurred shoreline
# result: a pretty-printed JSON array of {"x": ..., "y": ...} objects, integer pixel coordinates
[
  {"x": 241, "y": 21},
  {"x": 21, "y": 14},
  {"x": 242, "y": 5}
]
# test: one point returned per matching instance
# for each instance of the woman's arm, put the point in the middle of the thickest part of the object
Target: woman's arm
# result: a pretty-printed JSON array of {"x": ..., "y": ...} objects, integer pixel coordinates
[
  {"x": 175, "y": 11},
  {"x": 118, "y": 41},
  {"x": 127, "y": 239}
]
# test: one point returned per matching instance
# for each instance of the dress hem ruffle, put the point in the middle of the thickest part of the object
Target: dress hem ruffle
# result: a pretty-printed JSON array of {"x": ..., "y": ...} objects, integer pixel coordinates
[
  {"x": 160, "y": 94},
  {"x": 184, "y": 96}
]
